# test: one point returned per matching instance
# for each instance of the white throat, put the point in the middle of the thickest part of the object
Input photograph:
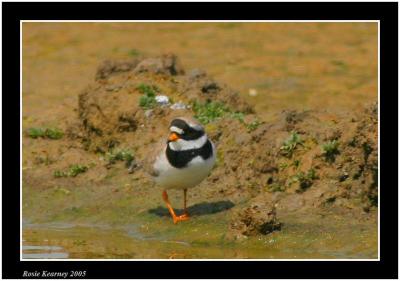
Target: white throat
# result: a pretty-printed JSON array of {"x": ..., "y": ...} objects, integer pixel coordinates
[{"x": 188, "y": 144}]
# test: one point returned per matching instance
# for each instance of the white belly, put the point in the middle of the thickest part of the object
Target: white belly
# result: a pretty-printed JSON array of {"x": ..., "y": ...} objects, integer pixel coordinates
[{"x": 191, "y": 175}]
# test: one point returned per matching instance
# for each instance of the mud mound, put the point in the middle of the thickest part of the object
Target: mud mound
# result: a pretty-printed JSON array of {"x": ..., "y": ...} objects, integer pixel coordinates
[
  {"x": 331, "y": 161},
  {"x": 301, "y": 161},
  {"x": 110, "y": 110},
  {"x": 258, "y": 218}
]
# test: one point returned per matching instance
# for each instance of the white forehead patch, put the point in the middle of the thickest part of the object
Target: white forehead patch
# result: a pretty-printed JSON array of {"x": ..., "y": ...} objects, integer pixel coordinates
[{"x": 176, "y": 130}]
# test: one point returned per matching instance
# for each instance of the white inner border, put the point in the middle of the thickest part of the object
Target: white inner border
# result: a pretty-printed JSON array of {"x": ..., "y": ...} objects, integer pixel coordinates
[{"x": 201, "y": 21}]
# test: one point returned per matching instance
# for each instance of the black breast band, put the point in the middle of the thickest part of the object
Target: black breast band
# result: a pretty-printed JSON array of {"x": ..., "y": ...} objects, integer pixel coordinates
[{"x": 180, "y": 159}]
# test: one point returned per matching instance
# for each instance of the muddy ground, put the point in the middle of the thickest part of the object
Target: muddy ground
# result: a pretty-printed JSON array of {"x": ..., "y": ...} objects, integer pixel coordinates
[{"x": 299, "y": 181}]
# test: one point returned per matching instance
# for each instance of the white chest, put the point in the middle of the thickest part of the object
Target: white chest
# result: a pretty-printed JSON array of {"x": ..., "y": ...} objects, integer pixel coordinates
[{"x": 180, "y": 178}]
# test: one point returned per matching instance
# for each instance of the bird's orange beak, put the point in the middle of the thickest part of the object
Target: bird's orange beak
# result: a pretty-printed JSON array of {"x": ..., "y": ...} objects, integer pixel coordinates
[{"x": 173, "y": 137}]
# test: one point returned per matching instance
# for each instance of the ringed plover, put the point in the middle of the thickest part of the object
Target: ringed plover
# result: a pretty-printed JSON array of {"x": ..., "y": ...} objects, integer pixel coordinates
[{"x": 184, "y": 160}]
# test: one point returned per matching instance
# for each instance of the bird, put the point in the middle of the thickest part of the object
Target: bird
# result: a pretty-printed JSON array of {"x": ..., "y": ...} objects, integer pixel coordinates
[{"x": 183, "y": 161}]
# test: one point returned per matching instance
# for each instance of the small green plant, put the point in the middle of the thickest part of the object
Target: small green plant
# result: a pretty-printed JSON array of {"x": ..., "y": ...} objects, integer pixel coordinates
[
  {"x": 296, "y": 163},
  {"x": 36, "y": 133},
  {"x": 59, "y": 174},
  {"x": 367, "y": 149},
  {"x": 209, "y": 111},
  {"x": 305, "y": 180},
  {"x": 73, "y": 171},
  {"x": 250, "y": 126},
  {"x": 238, "y": 115},
  {"x": 330, "y": 150},
  {"x": 120, "y": 155},
  {"x": 290, "y": 144},
  {"x": 50, "y": 133},
  {"x": 275, "y": 187},
  {"x": 253, "y": 125},
  {"x": 283, "y": 166},
  {"x": 146, "y": 89},
  {"x": 147, "y": 102},
  {"x": 54, "y": 133},
  {"x": 133, "y": 53},
  {"x": 148, "y": 99}
]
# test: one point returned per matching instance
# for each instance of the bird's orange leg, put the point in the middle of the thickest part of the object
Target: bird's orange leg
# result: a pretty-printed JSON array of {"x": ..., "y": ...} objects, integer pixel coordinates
[
  {"x": 186, "y": 213},
  {"x": 171, "y": 210}
]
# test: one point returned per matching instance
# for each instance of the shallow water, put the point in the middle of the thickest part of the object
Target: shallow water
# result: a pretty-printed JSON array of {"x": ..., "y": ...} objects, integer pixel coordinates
[
  {"x": 202, "y": 241},
  {"x": 42, "y": 254},
  {"x": 42, "y": 251}
]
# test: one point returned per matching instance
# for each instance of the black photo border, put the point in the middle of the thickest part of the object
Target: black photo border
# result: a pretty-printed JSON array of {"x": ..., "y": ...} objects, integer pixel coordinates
[{"x": 387, "y": 13}]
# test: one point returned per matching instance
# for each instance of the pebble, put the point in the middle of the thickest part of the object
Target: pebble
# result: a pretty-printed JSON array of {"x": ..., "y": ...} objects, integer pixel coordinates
[
  {"x": 162, "y": 100},
  {"x": 344, "y": 176},
  {"x": 178, "y": 105},
  {"x": 253, "y": 92}
]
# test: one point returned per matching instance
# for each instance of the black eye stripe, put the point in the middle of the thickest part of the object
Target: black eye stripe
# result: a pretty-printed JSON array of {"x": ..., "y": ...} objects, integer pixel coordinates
[
  {"x": 188, "y": 132},
  {"x": 192, "y": 135}
]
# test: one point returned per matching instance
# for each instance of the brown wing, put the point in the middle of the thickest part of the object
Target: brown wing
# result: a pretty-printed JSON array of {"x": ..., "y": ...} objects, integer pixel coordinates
[{"x": 149, "y": 159}]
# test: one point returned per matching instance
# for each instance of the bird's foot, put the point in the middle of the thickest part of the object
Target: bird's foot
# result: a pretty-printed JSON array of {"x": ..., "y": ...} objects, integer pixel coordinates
[{"x": 183, "y": 217}]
